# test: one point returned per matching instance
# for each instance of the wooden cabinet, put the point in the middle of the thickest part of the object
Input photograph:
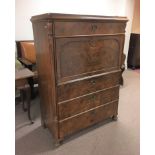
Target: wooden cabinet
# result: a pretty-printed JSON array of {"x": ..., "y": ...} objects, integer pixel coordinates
[
  {"x": 79, "y": 60},
  {"x": 134, "y": 51}
]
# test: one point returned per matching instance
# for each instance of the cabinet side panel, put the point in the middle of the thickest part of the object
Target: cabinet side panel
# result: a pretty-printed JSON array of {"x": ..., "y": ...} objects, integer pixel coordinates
[{"x": 46, "y": 76}]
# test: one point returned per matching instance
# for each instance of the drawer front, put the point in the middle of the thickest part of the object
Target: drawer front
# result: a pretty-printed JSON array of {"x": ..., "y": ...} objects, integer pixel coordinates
[
  {"x": 87, "y": 119},
  {"x": 87, "y": 102},
  {"x": 81, "y": 56},
  {"x": 87, "y": 28},
  {"x": 82, "y": 87}
]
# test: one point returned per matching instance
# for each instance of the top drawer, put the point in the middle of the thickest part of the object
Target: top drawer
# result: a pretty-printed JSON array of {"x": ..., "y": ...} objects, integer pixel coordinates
[{"x": 87, "y": 28}]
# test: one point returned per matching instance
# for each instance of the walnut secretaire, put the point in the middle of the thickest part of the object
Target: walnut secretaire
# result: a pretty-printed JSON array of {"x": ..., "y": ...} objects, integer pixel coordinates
[{"x": 79, "y": 59}]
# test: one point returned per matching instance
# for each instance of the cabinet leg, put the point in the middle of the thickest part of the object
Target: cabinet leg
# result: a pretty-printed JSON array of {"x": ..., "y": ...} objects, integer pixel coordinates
[
  {"x": 133, "y": 68},
  {"x": 115, "y": 117}
]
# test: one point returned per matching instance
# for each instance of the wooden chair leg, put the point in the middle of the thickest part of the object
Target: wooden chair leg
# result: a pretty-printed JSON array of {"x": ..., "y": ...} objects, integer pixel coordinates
[
  {"x": 31, "y": 83},
  {"x": 29, "y": 104},
  {"x": 22, "y": 98}
]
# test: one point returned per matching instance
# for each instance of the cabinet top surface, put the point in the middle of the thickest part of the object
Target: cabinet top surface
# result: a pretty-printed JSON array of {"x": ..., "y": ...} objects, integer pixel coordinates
[{"x": 59, "y": 16}]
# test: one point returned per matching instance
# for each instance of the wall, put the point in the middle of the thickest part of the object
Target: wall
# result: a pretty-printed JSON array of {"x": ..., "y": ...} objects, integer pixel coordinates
[
  {"x": 27, "y": 8},
  {"x": 136, "y": 18},
  {"x": 129, "y": 13}
]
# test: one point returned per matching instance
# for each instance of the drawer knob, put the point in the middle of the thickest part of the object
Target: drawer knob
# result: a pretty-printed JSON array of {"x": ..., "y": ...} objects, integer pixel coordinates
[
  {"x": 93, "y": 112},
  {"x": 92, "y": 97},
  {"x": 93, "y": 82},
  {"x": 93, "y": 27}
]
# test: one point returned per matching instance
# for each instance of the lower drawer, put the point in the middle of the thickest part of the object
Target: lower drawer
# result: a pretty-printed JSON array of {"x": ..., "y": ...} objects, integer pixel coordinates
[
  {"x": 85, "y": 86},
  {"x": 83, "y": 120},
  {"x": 81, "y": 104}
]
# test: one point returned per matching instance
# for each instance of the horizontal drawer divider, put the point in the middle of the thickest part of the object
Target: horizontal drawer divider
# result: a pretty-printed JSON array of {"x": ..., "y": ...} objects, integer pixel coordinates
[
  {"x": 88, "y": 77},
  {"x": 87, "y": 111},
  {"x": 82, "y": 76},
  {"x": 87, "y": 94},
  {"x": 90, "y": 35}
]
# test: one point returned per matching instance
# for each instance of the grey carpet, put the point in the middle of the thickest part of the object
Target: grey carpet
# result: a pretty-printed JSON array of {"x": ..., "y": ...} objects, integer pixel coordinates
[{"x": 114, "y": 138}]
